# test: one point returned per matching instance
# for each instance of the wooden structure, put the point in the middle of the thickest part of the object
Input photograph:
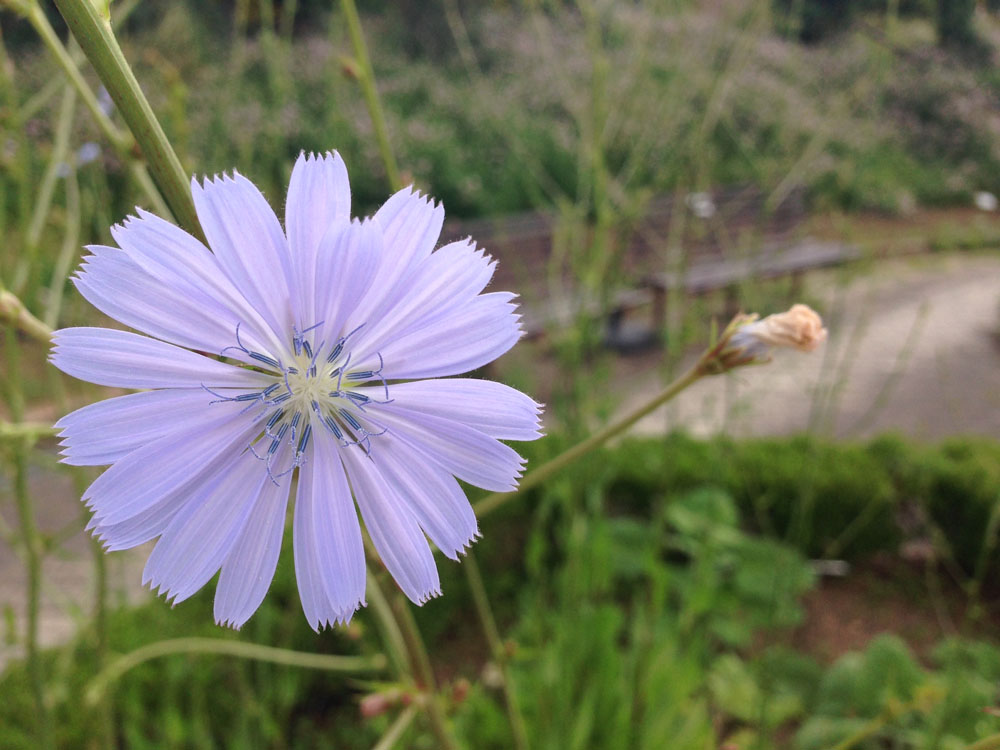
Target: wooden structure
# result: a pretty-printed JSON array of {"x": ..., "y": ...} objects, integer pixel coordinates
[{"x": 693, "y": 244}]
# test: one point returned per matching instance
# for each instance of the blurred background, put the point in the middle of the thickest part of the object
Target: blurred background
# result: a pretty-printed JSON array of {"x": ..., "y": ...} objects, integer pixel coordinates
[{"x": 801, "y": 555}]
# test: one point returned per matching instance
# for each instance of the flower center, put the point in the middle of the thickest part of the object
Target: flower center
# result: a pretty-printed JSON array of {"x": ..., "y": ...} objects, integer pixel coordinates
[{"x": 318, "y": 385}]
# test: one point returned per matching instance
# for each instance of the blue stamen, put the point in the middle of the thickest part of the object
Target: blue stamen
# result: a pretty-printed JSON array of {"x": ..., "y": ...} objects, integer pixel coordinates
[
  {"x": 349, "y": 418},
  {"x": 265, "y": 359}
]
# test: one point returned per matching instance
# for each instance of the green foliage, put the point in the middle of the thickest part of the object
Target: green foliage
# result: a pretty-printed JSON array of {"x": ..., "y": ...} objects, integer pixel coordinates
[{"x": 646, "y": 609}]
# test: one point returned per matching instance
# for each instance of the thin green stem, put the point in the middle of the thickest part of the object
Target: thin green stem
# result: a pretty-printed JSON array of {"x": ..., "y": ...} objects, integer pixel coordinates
[
  {"x": 40, "y": 22},
  {"x": 67, "y": 253},
  {"x": 46, "y": 190},
  {"x": 28, "y": 432},
  {"x": 391, "y": 635},
  {"x": 395, "y": 731},
  {"x": 96, "y": 38},
  {"x": 416, "y": 652},
  {"x": 492, "y": 633},
  {"x": 31, "y": 107},
  {"x": 491, "y": 502},
  {"x": 14, "y": 313},
  {"x": 219, "y": 647},
  {"x": 33, "y": 544},
  {"x": 367, "y": 82}
]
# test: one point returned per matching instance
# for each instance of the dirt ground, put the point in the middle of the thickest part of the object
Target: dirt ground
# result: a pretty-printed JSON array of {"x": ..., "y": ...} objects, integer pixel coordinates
[{"x": 913, "y": 347}]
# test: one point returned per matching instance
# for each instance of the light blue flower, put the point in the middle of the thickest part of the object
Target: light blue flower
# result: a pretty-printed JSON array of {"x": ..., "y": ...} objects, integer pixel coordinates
[{"x": 317, "y": 350}]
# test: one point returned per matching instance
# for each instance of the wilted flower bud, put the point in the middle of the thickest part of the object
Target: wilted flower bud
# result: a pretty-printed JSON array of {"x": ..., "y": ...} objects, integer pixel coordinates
[
  {"x": 747, "y": 340},
  {"x": 799, "y": 328}
]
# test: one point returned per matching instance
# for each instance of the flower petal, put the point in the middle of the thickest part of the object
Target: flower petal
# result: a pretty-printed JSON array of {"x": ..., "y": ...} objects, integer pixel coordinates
[
  {"x": 202, "y": 534},
  {"x": 319, "y": 195},
  {"x": 490, "y": 407},
  {"x": 467, "y": 453},
  {"x": 117, "y": 286},
  {"x": 460, "y": 339},
  {"x": 146, "y": 475},
  {"x": 329, "y": 554},
  {"x": 348, "y": 257},
  {"x": 106, "y": 431},
  {"x": 411, "y": 225},
  {"x": 249, "y": 568},
  {"x": 393, "y": 529},
  {"x": 127, "y": 360},
  {"x": 450, "y": 278},
  {"x": 249, "y": 244},
  {"x": 431, "y": 494},
  {"x": 178, "y": 260}
]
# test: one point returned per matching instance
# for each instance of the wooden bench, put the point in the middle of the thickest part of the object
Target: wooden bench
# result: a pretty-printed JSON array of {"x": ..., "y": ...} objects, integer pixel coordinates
[{"x": 728, "y": 237}]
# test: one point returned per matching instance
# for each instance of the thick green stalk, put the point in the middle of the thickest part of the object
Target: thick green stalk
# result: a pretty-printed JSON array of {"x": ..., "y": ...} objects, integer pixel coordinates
[
  {"x": 560, "y": 462},
  {"x": 367, "y": 83},
  {"x": 95, "y": 37},
  {"x": 220, "y": 647}
]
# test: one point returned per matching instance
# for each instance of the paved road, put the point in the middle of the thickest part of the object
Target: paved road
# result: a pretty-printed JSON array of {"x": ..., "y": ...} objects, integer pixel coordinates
[{"x": 913, "y": 347}]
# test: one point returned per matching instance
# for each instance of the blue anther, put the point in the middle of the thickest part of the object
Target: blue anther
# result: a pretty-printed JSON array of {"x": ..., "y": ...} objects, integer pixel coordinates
[
  {"x": 358, "y": 398},
  {"x": 265, "y": 359},
  {"x": 332, "y": 426},
  {"x": 307, "y": 348},
  {"x": 281, "y": 399},
  {"x": 304, "y": 440},
  {"x": 349, "y": 418},
  {"x": 275, "y": 417},
  {"x": 292, "y": 371},
  {"x": 270, "y": 389},
  {"x": 361, "y": 375},
  {"x": 248, "y": 397}
]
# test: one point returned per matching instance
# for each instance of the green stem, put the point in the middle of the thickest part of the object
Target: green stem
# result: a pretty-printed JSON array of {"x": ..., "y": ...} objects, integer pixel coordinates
[
  {"x": 420, "y": 664},
  {"x": 67, "y": 253},
  {"x": 396, "y": 729},
  {"x": 99, "y": 44},
  {"x": 492, "y": 633},
  {"x": 219, "y": 647},
  {"x": 46, "y": 190},
  {"x": 25, "y": 431},
  {"x": 391, "y": 635},
  {"x": 123, "y": 9},
  {"x": 40, "y": 22},
  {"x": 491, "y": 502},
  {"x": 367, "y": 82},
  {"x": 14, "y": 313},
  {"x": 33, "y": 543}
]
